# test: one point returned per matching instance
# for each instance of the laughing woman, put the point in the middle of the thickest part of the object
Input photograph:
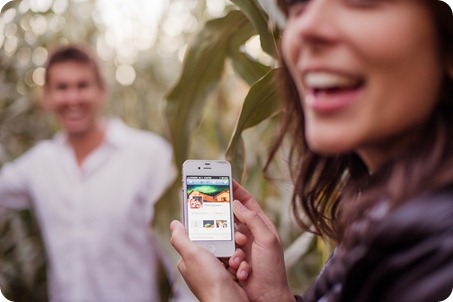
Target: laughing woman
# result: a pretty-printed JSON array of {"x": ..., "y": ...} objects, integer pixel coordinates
[{"x": 367, "y": 91}]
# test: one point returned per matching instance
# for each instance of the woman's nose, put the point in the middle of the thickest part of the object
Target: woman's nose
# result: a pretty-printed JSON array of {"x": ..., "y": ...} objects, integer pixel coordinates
[{"x": 316, "y": 23}]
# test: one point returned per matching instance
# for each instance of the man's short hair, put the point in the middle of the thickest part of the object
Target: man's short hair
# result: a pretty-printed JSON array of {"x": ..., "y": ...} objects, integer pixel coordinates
[{"x": 75, "y": 53}]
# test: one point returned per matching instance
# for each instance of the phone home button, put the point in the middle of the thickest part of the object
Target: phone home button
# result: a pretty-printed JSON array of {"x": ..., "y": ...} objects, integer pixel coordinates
[{"x": 211, "y": 248}]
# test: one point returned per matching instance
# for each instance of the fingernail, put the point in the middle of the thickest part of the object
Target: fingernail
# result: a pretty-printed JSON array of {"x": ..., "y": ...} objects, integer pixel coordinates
[
  {"x": 173, "y": 225},
  {"x": 238, "y": 205},
  {"x": 243, "y": 274},
  {"x": 236, "y": 260}
]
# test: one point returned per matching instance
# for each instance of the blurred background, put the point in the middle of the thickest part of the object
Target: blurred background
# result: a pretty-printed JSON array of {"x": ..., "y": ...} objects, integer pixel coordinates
[{"x": 198, "y": 72}]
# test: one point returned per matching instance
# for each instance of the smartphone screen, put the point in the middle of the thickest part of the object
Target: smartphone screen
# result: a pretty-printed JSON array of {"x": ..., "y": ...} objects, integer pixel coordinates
[
  {"x": 209, "y": 215},
  {"x": 207, "y": 205}
]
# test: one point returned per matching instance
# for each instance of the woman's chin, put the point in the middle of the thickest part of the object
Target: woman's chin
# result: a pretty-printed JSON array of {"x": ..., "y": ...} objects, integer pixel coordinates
[{"x": 329, "y": 147}]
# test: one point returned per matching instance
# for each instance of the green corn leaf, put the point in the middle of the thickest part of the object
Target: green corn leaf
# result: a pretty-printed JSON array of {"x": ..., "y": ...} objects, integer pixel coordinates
[
  {"x": 257, "y": 16},
  {"x": 261, "y": 103},
  {"x": 248, "y": 69},
  {"x": 202, "y": 70}
]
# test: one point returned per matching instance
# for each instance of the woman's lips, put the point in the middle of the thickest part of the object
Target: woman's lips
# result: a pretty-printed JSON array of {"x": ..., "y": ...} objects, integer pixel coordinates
[{"x": 328, "y": 91}]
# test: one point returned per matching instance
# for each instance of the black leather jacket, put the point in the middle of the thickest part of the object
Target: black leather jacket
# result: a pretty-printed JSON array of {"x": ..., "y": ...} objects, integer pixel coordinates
[{"x": 405, "y": 255}]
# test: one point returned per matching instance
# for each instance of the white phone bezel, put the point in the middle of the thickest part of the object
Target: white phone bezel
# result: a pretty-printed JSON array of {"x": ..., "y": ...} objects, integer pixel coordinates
[{"x": 220, "y": 248}]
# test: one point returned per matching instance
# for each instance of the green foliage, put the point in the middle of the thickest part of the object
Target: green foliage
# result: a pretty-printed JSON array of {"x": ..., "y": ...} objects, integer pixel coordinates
[
  {"x": 26, "y": 35},
  {"x": 259, "y": 105},
  {"x": 260, "y": 21},
  {"x": 223, "y": 104},
  {"x": 22, "y": 261},
  {"x": 219, "y": 45},
  {"x": 205, "y": 61},
  {"x": 24, "y": 39}
]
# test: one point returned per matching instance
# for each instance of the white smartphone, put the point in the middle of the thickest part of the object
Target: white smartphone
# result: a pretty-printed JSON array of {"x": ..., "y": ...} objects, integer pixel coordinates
[{"x": 207, "y": 205}]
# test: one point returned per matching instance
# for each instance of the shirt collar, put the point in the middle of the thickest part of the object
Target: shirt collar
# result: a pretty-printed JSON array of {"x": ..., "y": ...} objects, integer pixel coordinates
[{"x": 115, "y": 134}]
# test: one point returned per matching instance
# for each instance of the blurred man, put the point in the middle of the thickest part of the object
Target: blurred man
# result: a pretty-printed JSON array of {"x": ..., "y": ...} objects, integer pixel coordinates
[{"x": 92, "y": 187}]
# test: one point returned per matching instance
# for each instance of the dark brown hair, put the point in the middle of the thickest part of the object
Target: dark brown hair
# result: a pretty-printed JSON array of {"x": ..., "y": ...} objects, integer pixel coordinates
[
  {"x": 75, "y": 53},
  {"x": 334, "y": 191}
]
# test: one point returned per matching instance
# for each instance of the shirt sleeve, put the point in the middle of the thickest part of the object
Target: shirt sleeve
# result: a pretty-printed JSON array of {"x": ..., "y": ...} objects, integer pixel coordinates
[
  {"x": 163, "y": 172},
  {"x": 14, "y": 193},
  {"x": 160, "y": 175}
]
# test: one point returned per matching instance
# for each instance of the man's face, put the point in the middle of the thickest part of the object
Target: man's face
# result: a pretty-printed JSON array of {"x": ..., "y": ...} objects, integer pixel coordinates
[{"x": 75, "y": 96}]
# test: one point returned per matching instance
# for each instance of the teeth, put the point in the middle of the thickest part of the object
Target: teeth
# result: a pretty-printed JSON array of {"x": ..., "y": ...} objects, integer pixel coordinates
[
  {"x": 322, "y": 80},
  {"x": 73, "y": 113}
]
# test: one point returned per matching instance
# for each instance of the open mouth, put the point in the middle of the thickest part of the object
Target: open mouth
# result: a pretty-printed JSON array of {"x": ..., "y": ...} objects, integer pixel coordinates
[
  {"x": 73, "y": 114},
  {"x": 331, "y": 83},
  {"x": 329, "y": 92}
]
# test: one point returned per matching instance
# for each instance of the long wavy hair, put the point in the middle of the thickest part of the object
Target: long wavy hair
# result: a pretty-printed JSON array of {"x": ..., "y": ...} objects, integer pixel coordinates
[{"x": 331, "y": 192}]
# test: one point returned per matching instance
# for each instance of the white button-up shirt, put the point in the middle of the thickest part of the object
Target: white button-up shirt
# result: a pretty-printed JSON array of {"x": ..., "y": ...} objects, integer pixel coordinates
[{"x": 95, "y": 218}]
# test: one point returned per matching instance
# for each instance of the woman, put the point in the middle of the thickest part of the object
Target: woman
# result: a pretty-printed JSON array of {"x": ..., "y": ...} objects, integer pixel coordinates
[{"x": 368, "y": 90}]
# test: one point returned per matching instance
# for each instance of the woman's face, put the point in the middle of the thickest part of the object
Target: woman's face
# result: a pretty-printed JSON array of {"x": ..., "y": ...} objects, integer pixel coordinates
[{"x": 368, "y": 72}]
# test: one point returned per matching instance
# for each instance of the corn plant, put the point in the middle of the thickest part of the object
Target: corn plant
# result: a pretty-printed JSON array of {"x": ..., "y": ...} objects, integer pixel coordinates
[{"x": 217, "y": 51}]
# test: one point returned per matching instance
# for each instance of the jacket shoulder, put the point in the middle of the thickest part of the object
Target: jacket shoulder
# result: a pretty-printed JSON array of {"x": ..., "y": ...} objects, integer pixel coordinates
[{"x": 408, "y": 255}]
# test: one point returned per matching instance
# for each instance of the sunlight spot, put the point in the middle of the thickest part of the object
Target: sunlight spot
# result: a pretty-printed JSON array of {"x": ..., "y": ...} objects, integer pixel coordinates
[
  {"x": 38, "y": 76},
  {"x": 125, "y": 75}
]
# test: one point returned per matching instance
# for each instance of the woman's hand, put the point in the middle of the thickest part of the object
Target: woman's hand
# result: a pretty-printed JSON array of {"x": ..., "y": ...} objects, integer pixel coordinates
[
  {"x": 205, "y": 275},
  {"x": 259, "y": 263}
]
